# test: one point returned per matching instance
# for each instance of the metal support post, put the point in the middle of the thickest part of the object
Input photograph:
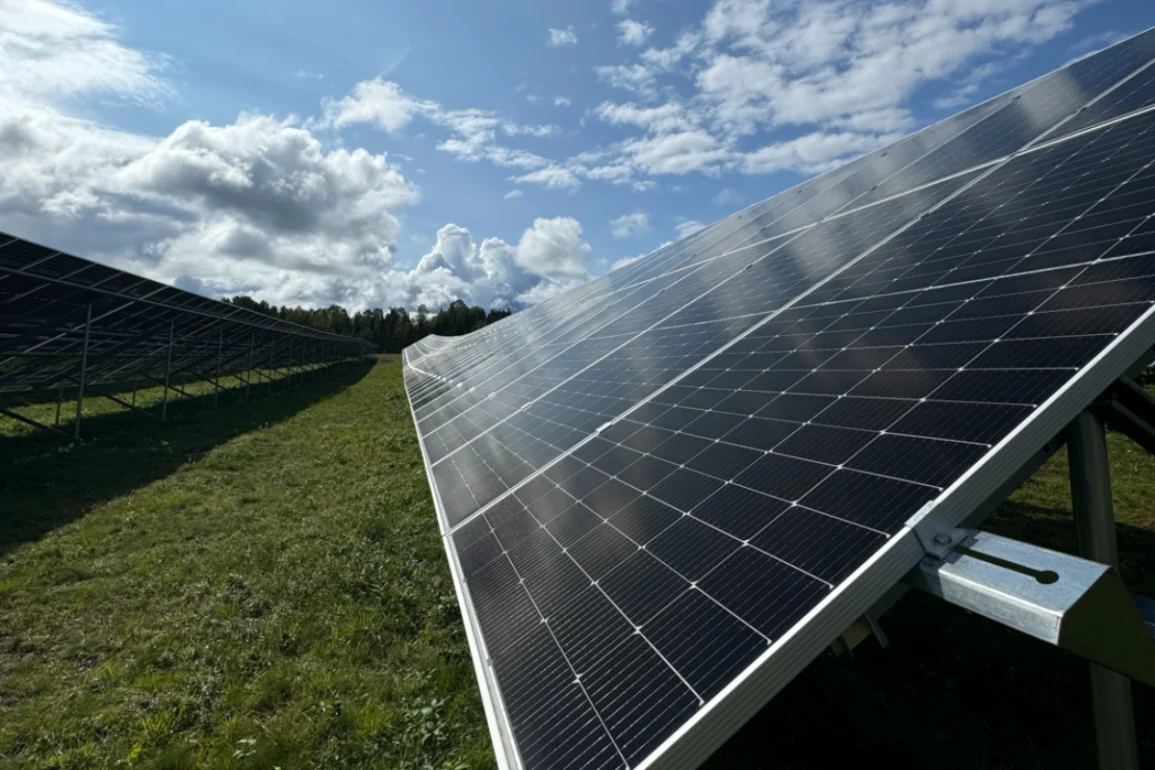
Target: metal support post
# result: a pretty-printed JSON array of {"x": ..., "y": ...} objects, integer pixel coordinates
[
  {"x": 249, "y": 379},
  {"x": 59, "y": 401},
  {"x": 217, "y": 384},
  {"x": 1094, "y": 520},
  {"x": 83, "y": 373},
  {"x": 167, "y": 370}
]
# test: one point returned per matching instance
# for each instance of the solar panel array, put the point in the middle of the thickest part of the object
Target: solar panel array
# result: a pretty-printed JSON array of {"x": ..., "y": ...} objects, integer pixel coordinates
[
  {"x": 662, "y": 493},
  {"x": 60, "y": 313}
]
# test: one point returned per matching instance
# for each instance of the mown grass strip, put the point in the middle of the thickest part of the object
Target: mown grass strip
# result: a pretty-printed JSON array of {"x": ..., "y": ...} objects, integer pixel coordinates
[
  {"x": 262, "y": 586},
  {"x": 256, "y": 586}
]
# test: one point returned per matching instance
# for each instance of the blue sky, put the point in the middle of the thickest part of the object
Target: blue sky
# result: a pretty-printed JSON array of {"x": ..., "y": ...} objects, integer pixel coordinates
[{"x": 395, "y": 153}]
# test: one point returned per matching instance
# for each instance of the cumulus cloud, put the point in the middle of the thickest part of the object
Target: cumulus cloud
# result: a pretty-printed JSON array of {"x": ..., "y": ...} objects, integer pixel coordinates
[
  {"x": 261, "y": 205},
  {"x": 621, "y": 7},
  {"x": 561, "y": 101},
  {"x": 561, "y": 38},
  {"x": 380, "y": 102},
  {"x": 830, "y": 79},
  {"x": 632, "y": 32},
  {"x": 473, "y": 131},
  {"x": 513, "y": 194},
  {"x": 754, "y": 88},
  {"x": 629, "y": 225}
]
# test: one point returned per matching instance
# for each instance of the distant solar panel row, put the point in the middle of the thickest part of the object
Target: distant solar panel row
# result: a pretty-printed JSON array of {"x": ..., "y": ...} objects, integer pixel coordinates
[
  {"x": 666, "y": 491},
  {"x": 60, "y": 313}
]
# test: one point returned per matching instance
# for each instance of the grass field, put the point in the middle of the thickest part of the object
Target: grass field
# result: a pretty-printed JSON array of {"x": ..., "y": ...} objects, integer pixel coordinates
[{"x": 262, "y": 586}]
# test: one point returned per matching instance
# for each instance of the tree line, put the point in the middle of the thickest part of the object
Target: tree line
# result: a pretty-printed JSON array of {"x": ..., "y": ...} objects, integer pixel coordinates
[{"x": 391, "y": 331}]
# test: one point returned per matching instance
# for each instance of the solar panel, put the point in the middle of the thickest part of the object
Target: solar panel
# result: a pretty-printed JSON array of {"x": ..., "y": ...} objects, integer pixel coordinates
[
  {"x": 64, "y": 320},
  {"x": 665, "y": 492}
]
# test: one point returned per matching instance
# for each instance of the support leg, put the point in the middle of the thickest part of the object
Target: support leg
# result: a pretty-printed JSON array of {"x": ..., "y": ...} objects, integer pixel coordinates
[
  {"x": 167, "y": 370},
  {"x": 59, "y": 401},
  {"x": 217, "y": 384},
  {"x": 1095, "y": 522},
  {"x": 249, "y": 379},
  {"x": 83, "y": 374}
]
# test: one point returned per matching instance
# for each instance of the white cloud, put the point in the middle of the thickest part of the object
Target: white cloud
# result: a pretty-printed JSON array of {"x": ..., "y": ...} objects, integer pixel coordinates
[
  {"x": 513, "y": 194},
  {"x": 667, "y": 117},
  {"x": 280, "y": 208},
  {"x": 474, "y": 131},
  {"x": 306, "y": 75},
  {"x": 677, "y": 153},
  {"x": 832, "y": 79},
  {"x": 513, "y": 129},
  {"x": 549, "y": 258},
  {"x": 686, "y": 227},
  {"x": 552, "y": 176},
  {"x": 554, "y": 248},
  {"x": 629, "y": 225},
  {"x": 827, "y": 60},
  {"x": 261, "y": 205},
  {"x": 727, "y": 196},
  {"x": 813, "y": 153},
  {"x": 632, "y": 32},
  {"x": 636, "y": 78},
  {"x": 51, "y": 53},
  {"x": 560, "y": 38},
  {"x": 380, "y": 102}
]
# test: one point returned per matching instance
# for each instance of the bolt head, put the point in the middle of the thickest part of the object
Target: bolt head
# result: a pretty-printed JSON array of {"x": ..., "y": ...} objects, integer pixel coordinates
[{"x": 942, "y": 538}]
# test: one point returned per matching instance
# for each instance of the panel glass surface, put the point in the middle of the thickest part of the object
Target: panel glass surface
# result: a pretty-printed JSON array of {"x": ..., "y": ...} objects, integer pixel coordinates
[{"x": 640, "y": 511}]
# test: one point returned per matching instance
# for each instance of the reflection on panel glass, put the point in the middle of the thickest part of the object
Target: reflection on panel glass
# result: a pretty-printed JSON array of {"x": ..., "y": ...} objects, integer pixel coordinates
[{"x": 651, "y": 480}]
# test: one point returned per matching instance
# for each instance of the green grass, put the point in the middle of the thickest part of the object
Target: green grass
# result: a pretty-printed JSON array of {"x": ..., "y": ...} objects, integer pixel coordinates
[
  {"x": 262, "y": 586},
  {"x": 252, "y": 587}
]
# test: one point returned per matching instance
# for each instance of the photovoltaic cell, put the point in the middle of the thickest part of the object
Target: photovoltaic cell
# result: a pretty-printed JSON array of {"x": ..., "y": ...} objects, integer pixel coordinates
[{"x": 664, "y": 492}]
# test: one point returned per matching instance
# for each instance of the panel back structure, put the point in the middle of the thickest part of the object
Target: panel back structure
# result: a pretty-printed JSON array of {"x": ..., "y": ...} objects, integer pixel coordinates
[
  {"x": 67, "y": 321},
  {"x": 665, "y": 492}
]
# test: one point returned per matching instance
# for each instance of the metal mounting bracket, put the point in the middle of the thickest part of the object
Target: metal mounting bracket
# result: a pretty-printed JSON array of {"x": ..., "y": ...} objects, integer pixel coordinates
[
  {"x": 1079, "y": 605},
  {"x": 1129, "y": 409}
]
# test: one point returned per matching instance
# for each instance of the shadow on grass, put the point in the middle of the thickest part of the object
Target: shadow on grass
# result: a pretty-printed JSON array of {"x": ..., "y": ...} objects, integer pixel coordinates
[
  {"x": 953, "y": 690},
  {"x": 48, "y": 482}
]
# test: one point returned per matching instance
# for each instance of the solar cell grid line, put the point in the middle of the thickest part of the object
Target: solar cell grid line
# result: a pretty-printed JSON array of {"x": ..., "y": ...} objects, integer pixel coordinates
[
  {"x": 921, "y": 142},
  {"x": 628, "y": 309},
  {"x": 950, "y": 268},
  {"x": 757, "y": 204},
  {"x": 1044, "y": 102},
  {"x": 1133, "y": 95},
  {"x": 1117, "y": 276},
  {"x": 589, "y": 426},
  {"x": 494, "y": 366},
  {"x": 988, "y": 116},
  {"x": 525, "y": 349},
  {"x": 705, "y": 291},
  {"x": 485, "y": 353}
]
